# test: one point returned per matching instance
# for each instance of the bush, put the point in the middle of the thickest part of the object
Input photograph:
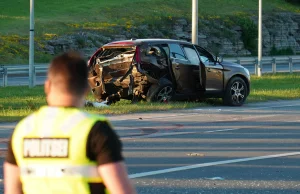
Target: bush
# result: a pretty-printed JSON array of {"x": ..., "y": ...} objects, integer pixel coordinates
[
  {"x": 286, "y": 51},
  {"x": 249, "y": 31},
  {"x": 293, "y": 1}
]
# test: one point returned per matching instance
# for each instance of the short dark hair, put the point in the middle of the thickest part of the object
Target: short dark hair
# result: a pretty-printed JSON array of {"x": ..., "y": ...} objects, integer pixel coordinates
[{"x": 69, "y": 72}]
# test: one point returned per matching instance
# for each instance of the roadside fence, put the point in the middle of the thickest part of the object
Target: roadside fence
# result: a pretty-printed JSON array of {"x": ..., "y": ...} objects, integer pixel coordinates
[
  {"x": 10, "y": 70},
  {"x": 6, "y": 71},
  {"x": 290, "y": 60}
]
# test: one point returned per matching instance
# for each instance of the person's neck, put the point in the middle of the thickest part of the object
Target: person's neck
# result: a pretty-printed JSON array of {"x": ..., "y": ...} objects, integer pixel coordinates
[{"x": 64, "y": 101}]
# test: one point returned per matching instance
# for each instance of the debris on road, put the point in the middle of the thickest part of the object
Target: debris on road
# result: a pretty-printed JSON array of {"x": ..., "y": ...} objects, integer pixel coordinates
[
  {"x": 96, "y": 104},
  {"x": 196, "y": 154}
]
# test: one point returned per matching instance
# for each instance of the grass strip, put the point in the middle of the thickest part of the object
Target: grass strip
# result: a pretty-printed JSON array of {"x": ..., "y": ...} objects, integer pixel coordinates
[{"x": 17, "y": 102}]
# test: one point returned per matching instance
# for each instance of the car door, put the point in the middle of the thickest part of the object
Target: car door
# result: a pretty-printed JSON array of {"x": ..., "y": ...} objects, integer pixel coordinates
[
  {"x": 213, "y": 71},
  {"x": 195, "y": 74},
  {"x": 182, "y": 69}
]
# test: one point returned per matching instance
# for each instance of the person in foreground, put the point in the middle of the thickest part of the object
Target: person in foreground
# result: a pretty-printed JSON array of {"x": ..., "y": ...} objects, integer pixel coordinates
[{"x": 60, "y": 149}]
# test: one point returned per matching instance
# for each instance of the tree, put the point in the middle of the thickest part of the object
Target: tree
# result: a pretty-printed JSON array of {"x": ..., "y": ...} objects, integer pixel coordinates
[{"x": 293, "y": 1}]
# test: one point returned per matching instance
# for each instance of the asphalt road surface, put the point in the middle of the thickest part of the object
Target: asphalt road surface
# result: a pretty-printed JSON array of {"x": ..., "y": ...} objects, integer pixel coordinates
[
  {"x": 226, "y": 150},
  {"x": 16, "y": 80}
]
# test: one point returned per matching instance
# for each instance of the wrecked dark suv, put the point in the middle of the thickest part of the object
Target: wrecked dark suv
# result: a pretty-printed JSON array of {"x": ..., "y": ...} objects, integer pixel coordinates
[{"x": 159, "y": 70}]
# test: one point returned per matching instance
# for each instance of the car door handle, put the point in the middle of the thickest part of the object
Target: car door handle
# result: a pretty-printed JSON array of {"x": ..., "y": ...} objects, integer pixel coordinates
[
  {"x": 177, "y": 67},
  {"x": 208, "y": 69}
]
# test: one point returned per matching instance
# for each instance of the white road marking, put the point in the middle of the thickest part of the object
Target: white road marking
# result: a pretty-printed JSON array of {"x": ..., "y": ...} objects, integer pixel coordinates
[
  {"x": 164, "y": 171},
  {"x": 220, "y": 130},
  {"x": 274, "y": 106},
  {"x": 136, "y": 117},
  {"x": 158, "y": 135},
  {"x": 172, "y": 116},
  {"x": 292, "y": 121},
  {"x": 248, "y": 108},
  {"x": 175, "y": 133}
]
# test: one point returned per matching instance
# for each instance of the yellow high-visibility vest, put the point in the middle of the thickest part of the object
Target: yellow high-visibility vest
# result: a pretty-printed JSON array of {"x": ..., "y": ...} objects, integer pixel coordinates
[{"x": 50, "y": 150}]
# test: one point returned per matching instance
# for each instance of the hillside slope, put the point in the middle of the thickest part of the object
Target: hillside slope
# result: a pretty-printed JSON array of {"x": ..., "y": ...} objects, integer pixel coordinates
[{"x": 55, "y": 18}]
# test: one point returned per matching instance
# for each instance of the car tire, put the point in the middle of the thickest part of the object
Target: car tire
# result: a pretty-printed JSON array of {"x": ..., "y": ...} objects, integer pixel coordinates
[
  {"x": 160, "y": 93},
  {"x": 236, "y": 92}
]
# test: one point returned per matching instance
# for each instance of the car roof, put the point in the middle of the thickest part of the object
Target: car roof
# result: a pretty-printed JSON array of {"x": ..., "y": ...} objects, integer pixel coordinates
[{"x": 136, "y": 42}]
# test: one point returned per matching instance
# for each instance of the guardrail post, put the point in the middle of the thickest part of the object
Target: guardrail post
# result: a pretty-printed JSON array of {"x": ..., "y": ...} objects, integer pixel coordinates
[
  {"x": 256, "y": 66},
  {"x": 274, "y": 65},
  {"x": 2, "y": 73},
  {"x": 4, "y": 77},
  {"x": 291, "y": 64},
  {"x": 34, "y": 76},
  {"x": 239, "y": 61}
]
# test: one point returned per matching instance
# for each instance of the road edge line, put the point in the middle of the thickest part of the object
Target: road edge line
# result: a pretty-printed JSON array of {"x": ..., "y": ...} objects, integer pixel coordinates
[{"x": 156, "y": 172}]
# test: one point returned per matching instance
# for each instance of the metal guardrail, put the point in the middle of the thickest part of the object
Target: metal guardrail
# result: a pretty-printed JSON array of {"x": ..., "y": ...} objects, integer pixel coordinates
[
  {"x": 3, "y": 73},
  {"x": 17, "y": 70},
  {"x": 267, "y": 60},
  {"x": 42, "y": 68}
]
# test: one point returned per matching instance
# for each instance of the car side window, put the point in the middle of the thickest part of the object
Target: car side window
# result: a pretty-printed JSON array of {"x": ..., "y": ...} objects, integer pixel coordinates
[
  {"x": 166, "y": 49},
  {"x": 176, "y": 52},
  {"x": 191, "y": 55},
  {"x": 157, "y": 55},
  {"x": 205, "y": 56}
]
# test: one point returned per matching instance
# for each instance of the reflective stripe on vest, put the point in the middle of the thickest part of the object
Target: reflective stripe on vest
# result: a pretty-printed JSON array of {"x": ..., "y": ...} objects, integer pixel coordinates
[{"x": 59, "y": 171}]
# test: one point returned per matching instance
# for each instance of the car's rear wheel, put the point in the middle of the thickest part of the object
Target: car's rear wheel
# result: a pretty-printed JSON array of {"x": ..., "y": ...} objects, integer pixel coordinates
[
  {"x": 160, "y": 93},
  {"x": 236, "y": 92}
]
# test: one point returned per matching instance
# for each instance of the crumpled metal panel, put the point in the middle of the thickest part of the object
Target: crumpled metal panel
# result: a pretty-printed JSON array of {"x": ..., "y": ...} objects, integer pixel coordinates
[{"x": 118, "y": 60}]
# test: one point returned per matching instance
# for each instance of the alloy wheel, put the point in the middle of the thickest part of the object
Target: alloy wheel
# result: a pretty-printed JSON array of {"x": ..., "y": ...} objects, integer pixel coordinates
[
  {"x": 237, "y": 92},
  {"x": 165, "y": 94}
]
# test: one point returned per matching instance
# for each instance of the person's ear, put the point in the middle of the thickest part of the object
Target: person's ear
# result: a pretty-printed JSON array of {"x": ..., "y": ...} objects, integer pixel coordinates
[{"x": 47, "y": 86}]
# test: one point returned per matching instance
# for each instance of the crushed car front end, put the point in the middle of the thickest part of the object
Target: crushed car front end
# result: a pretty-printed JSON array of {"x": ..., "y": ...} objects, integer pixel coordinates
[{"x": 116, "y": 71}]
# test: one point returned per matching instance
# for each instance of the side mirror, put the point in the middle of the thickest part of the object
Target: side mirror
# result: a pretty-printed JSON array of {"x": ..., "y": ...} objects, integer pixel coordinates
[{"x": 219, "y": 59}]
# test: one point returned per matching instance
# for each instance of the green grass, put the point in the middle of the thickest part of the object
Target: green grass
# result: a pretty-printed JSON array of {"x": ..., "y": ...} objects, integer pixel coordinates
[
  {"x": 283, "y": 86},
  {"x": 18, "y": 102},
  {"x": 14, "y": 18},
  {"x": 58, "y": 17}
]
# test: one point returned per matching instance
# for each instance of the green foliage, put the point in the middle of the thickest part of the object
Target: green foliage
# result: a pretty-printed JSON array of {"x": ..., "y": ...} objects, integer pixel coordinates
[
  {"x": 286, "y": 51},
  {"x": 110, "y": 17},
  {"x": 14, "y": 50},
  {"x": 297, "y": 2},
  {"x": 249, "y": 31},
  {"x": 81, "y": 41}
]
